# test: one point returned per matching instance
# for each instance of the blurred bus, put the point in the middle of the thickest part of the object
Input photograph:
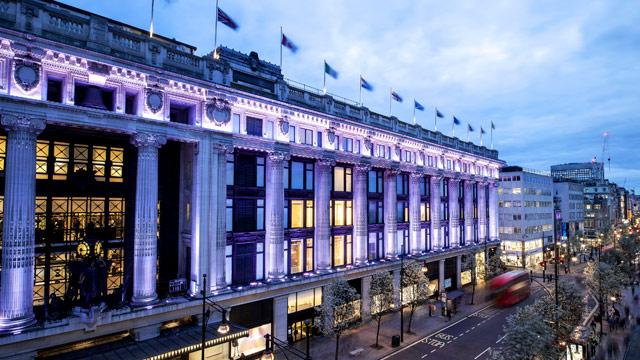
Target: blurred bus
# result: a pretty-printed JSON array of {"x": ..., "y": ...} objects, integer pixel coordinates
[{"x": 510, "y": 288}]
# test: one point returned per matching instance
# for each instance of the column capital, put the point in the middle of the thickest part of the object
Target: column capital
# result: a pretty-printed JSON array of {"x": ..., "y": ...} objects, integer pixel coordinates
[
  {"x": 143, "y": 139},
  {"x": 278, "y": 156},
  {"x": 391, "y": 172},
  {"x": 362, "y": 167},
  {"x": 454, "y": 179},
  {"x": 223, "y": 148},
  {"x": 22, "y": 122},
  {"x": 416, "y": 176},
  {"x": 325, "y": 162}
]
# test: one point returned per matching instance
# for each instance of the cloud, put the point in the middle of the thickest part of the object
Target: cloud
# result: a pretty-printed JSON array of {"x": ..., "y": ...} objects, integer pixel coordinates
[{"x": 552, "y": 75}]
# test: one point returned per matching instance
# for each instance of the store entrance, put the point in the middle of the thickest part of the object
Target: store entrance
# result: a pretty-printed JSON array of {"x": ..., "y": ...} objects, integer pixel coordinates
[{"x": 298, "y": 331}]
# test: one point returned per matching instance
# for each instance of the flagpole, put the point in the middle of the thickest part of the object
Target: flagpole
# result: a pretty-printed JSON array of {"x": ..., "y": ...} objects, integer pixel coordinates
[
  {"x": 481, "y": 130},
  {"x": 280, "y": 48},
  {"x": 467, "y": 132},
  {"x": 414, "y": 111},
  {"x": 453, "y": 129},
  {"x": 151, "y": 25},
  {"x": 435, "y": 120},
  {"x": 360, "y": 83},
  {"x": 390, "y": 100},
  {"x": 491, "y": 137},
  {"x": 215, "y": 34},
  {"x": 324, "y": 80}
]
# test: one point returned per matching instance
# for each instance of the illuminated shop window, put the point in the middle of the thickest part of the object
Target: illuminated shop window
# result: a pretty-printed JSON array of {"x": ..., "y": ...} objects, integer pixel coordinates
[{"x": 341, "y": 213}]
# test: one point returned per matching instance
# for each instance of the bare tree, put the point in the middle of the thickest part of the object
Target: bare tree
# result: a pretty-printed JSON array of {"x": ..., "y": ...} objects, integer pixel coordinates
[
  {"x": 381, "y": 298},
  {"x": 340, "y": 309},
  {"x": 415, "y": 288}
]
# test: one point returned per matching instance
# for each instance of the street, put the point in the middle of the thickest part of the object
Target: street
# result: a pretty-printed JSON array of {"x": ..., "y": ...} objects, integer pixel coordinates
[{"x": 472, "y": 337}]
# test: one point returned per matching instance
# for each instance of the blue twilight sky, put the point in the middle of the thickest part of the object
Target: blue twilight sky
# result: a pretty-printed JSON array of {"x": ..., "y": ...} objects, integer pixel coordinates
[{"x": 552, "y": 75}]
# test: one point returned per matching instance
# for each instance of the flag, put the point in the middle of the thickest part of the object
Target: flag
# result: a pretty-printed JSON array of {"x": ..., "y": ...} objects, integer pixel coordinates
[
  {"x": 395, "y": 96},
  {"x": 286, "y": 42},
  {"x": 493, "y": 127},
  {"x": 227, "y": 20},
  {"x": 469, "y": 127},
  {"x": 330, "y": 71},
  {"x": 482, "y": 130},
  {"x": 417, "y": 105},
  {"x": 456, "y": 121},
  {"x": 365, "y": 84},
  {"x": 439, "y": 114},
  {"x": 151, "y": 25}
]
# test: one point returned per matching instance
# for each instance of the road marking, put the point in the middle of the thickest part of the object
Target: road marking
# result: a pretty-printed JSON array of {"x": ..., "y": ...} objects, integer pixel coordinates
[
  {"x": 485, "y": 350},
  {"x": 460, "y": 334},
  {"x": 434, "y": 350},
  {"x": 424, "y": 356},
  {"x": 437, "y": 332},
  {"x": 497, "y": 342}
]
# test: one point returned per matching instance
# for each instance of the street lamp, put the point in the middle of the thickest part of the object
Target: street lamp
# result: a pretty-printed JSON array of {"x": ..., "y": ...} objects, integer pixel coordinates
[
  {"x": 401, "y": 297},
  {"x": 271, "y": 341},
  {"x": 224, "y": 327}
]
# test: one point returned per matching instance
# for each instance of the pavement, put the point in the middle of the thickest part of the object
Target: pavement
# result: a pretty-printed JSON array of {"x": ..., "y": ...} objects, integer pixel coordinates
[
  {"x": 626, "y": 339},
  {"x": 473, "y": 327}
]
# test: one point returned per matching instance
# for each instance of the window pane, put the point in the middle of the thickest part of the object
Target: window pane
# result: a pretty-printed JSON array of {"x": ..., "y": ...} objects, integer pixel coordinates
[
  {"x": 297, "y": 175},
  {"x": 347, "y": 180},
  {"x": 338, "y": 250},
  {"x": 338, "y": 207},
  {"x": 309, "y": 213},
  {"x": 338, "y": 178},
  {"x": 349, "y": 250},
  {"x": 349, "y": 213},
  {"x": 297, "y": 253},
  {"x": 309, "y": 175},
  {"x": 297, "y": 218},
  {"x": 372, "y": 181},
  {"x": 309, "y": 260}
]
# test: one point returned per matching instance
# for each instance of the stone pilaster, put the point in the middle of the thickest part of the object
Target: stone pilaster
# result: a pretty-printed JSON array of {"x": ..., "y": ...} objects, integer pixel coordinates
[
  {"x": 482, "y": 212},
  {"x": 365, "y": 298},
  {"x": 274, "y": 212},
  {"x": 18, "y": 243},
  {"x": 459, "y": 271},
  {"x": 435, "y": 199},
  {"x": 390, "y": 221},
  {"x": 414, "y": 214},
  {"x": 322, "y": 196},
  {"x": 468, "y": 212},
  {"x": 145, "y": 241},
  {"x": 201, "y": 220},
  {"x": 454, "y": 212},
  {"x": 441, "y": 276},
  {"x": 360, "y": 213},
  {"x": 493, "y": 211},
  {"x": 218, "y": 213},
  {"x": 279, "y": 326}
]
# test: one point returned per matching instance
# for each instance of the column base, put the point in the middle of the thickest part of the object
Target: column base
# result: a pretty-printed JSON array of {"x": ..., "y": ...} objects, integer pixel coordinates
[
  {"x": 12, "y": 325},
  {"x": 323, "y": 270},
  {"x": 361, "y": 262},
  {"x": 144, "y": 301},
  {"x": 274, "y": 278}
]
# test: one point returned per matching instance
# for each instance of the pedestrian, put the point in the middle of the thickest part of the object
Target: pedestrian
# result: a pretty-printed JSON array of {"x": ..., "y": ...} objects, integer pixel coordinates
[{"x": 449, "y": 314}]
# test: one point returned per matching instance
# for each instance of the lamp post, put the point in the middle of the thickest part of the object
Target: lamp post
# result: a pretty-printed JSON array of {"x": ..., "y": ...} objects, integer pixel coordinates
[
  {"x": 223, "y": 328},
  {"x": 401, "y": 297},
  {"x": 271, "y": 341}
]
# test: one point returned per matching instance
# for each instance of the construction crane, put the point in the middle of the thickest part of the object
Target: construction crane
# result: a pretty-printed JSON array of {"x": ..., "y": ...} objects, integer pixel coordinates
[{"x": 605, "y": 149}]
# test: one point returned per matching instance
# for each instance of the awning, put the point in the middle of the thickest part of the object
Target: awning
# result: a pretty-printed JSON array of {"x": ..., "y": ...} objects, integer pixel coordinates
[
  {"x": 452, "y": 295},
  {"x": 171, "y": 343}
]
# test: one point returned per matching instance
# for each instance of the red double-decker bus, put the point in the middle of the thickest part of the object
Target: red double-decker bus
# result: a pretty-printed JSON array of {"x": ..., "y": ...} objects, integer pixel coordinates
[{"x": 510, "y": 288}]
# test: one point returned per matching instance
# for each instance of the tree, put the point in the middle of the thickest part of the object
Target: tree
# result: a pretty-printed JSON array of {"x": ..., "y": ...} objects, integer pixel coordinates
[
  {"x": 381, "y": 298},
  {"x": 567, "y": 315},
  {"x": 629, "y": 251},
  {"x": 604, "y": 281},
  {"x": 471, "y": 264},
  {"x": 340, "y": 309},
  {"x": 415, "y": 288},
  {"x": 527, "y": 337},
  {"x": 495, "y": 266}
]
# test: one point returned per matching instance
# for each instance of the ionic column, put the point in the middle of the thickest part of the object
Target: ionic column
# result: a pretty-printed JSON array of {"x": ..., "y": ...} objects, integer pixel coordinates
[
  {"x": 454, "y": 212},
  {"x": 274, "y": 212},
  {"x": 18, "y": 243},
  {"x": 482, "y": 212},
  {"x": 390, "y": 221},
  {"x": 201, "y": 222},
  {"x": 468, "y": 212},
  {"x": 493, "y": 211},
  {"x": 218, "y": 212},
  {"x": 322, "y": 196},
  {"x": 360, "y": 223},
  {"x": 145, "y": 242},
  {"x": 414, "y": 213},
  {"x": 435, "y": 200}
]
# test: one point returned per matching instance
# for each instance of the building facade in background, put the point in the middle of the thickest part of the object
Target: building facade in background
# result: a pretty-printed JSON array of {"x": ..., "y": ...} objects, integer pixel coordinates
[
  {"x": 526, "y": 215},
  {"x": 587, "y": 171},
  {"x": 132, "y": 168},
  {"x": 569, "y": 195}
]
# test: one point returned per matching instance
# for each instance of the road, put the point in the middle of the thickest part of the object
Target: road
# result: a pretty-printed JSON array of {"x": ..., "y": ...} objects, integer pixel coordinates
[{"x": 473, "y": 337}]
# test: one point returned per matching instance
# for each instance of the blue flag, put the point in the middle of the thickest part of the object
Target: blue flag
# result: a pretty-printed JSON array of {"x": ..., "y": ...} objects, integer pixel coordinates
[
  {"x": 493, "y": 127},
  {"x": 456, "y": 121},
  {"x": 439, "y": 114},
  {"x": 417, "y": 105},
  {"x": 482, "y": 130},
  {"x": 365, "y": 84},
  {"x": 470, "y": 128},
  {"x": 330, "y": 71},
  {"x": 395, "y": 96}
]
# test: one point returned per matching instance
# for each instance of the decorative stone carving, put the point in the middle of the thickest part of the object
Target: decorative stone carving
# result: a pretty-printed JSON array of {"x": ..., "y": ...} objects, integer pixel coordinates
[
  {"x": 368, "y": 144},
  {"x": 219, "y": 111},
  {"x": 331, "y": 135},
  {"x": 26, "y": 74},
  {"x": 154, "y": 100},
  {"x": 283, "y": 123},
  {"x": 148, "y": 139}
]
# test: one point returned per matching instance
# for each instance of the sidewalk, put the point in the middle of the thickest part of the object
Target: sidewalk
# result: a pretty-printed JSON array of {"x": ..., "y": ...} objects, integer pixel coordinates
[
  {"x": 364, "y": 336},
  {"x": 625, "y": 339}
]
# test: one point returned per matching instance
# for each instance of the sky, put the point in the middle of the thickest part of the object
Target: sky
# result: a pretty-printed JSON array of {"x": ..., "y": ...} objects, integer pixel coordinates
[{"x": 552, "y": 75}]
